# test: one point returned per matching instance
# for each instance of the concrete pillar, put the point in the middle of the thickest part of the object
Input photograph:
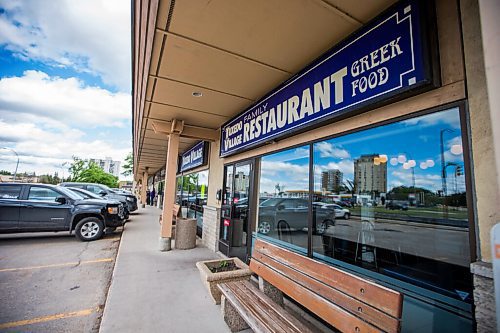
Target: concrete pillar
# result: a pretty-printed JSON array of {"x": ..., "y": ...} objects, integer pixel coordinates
[
  {"x": 170, "y": 188},
  {"x": 144, "y": 187}
]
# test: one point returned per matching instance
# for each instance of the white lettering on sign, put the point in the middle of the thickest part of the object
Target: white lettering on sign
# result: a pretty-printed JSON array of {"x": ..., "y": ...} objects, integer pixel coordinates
[
  {"x": 370, "y": 62},
  {"x": 288, "y": 112}
]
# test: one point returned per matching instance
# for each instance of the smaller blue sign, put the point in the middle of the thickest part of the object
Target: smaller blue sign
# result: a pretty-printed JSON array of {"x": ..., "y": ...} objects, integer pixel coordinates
[{"x": 194, "y": 157}]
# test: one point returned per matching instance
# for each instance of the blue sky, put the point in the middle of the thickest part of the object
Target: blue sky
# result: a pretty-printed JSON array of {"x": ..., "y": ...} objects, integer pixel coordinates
[
  {"x": 416, "y": 139},
  {"x": 64, "y": 82}
]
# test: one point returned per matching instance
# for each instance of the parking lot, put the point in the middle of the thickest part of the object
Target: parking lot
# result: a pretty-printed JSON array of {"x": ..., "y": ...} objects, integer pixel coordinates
[{"x": 53, "y": 282}]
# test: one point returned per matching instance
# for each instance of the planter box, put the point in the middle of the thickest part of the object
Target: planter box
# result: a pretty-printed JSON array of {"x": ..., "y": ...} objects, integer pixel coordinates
[{"x": 211, "y": 280}]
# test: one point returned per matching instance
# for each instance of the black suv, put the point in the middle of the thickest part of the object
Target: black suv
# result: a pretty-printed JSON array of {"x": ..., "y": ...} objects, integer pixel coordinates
[
  {"x": 41, "y": 207},
  {"x": 106, "y": 192}
]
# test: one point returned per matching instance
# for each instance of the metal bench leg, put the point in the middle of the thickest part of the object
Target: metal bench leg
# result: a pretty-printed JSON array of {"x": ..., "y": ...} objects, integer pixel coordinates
[
  {"x": 232, "y": 317},
  {"x": 271, "y": 291}
]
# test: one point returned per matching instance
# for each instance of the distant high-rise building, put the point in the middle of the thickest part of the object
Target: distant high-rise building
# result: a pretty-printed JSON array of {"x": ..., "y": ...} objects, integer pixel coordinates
[
  {"x": 331, "y": 180},
  {"x": 241, "y": 182},
  {"x": 108, "y": 165},
  {"x": 368, "y": 176}
]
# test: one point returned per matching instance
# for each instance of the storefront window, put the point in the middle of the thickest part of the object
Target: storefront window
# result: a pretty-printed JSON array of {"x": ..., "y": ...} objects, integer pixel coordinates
[
  {"x": 192, "y": 191},
  {"x": 398, "y": 194},
  {"x": 284, "y": 196}
]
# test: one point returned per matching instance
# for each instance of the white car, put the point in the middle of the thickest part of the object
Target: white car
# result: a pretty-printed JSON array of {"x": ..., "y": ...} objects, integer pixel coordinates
[{"x": 340, "y": 212}]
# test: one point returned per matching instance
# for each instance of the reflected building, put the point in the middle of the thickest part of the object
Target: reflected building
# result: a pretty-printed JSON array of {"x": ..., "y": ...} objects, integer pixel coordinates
[
  {"x": 368, "y": 176},
  {"x": 331, "y": 180},
  {"x": 241, "y": 182}
]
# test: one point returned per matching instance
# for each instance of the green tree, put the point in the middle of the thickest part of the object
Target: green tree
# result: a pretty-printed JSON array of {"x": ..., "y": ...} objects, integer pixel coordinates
[
  {"x": 5, "y": 173},
  {"x": 89, "y": 172},
  {"x": 128, "y": 166}
]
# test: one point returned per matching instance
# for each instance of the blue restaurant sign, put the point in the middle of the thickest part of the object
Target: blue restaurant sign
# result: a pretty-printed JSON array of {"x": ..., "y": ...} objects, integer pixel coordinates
[
  {"x": 387, "y": 59},
  {"x": 194, "y": 157}
]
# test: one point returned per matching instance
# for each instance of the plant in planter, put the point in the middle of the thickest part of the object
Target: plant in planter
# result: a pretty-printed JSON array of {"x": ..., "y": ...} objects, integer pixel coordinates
[{"x": 217, "y": 271}]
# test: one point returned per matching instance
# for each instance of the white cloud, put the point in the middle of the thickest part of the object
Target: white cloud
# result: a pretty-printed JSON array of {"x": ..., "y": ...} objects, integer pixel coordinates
[
  {"x": 291, "y": 176},
  {"x": 44, "y": 151},
  {"x": 328, "y": 149},
  {"x": 88, "y": 36},
  {"x": 56, "y": 99},
  {"x": 450, "y": 118},
  {"x": 404, "y": 177}
]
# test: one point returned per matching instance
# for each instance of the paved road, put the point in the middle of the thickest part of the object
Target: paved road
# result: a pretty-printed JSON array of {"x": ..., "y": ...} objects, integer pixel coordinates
[{"x": 53, "y": 282}]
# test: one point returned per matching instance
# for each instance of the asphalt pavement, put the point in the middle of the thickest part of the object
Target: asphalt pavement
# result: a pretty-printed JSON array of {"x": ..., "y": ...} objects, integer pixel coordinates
[{"x": 53, "y": 282}]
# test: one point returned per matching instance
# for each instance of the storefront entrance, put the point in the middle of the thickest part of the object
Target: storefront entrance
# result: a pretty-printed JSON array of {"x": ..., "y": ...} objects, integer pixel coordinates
[{"x": 236, "y": 215}]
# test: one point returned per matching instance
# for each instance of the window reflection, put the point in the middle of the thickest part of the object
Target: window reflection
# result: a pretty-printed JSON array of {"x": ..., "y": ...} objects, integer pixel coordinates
[
  {"x": 284, "y": 196},
  {"x": 192, "y": 191},
  {"x": 398, "y": 192}
]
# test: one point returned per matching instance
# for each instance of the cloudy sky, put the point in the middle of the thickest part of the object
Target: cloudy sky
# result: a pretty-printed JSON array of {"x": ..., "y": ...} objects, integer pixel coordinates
[
  {"x": 409, "y": 147},
  {"x": 65, "y": 82}
]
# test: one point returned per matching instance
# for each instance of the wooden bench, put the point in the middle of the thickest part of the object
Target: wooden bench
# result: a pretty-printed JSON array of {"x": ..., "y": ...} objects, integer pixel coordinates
[
  {"x": 256, "y": 309},
  {"x": 345, "y": 301}
]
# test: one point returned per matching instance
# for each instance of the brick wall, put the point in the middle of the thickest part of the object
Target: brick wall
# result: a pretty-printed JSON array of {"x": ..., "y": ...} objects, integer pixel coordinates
[
  {"x": 484, "y": 297},
  {"x": 211, "y": 218}
]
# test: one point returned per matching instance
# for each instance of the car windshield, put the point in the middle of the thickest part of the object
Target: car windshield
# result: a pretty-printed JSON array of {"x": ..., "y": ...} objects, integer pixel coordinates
[
  {"x": 78, "y": 194},
  {"x": 270, "y": 202},
  {"x": 86, "y": 194},
  {"x": 68, "y": 193}
]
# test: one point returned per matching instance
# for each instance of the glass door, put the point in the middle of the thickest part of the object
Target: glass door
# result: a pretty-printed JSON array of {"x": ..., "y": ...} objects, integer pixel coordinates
[{"x": 236, "y": 230}]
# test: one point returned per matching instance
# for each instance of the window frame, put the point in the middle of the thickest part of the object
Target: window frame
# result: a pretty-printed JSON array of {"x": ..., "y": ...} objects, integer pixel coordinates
[{"x": 416, "y": 291}]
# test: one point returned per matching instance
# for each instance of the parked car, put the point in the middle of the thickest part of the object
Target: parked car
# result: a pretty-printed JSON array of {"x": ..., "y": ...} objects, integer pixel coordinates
[
  {"x": 397, "y": 204},
  {"x": 106, "y": 192},
  {"x": 123, "y": 213},
  {"x": 41, "y": 207},
  {"x": 340, "y": 212},
  {"x": 292, "y": 214}
]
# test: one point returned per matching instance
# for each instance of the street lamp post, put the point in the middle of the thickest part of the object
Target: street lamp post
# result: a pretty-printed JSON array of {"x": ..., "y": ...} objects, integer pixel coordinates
[
  {"x": 443, "y": 163},
  {"x": 17, "y": 164}
]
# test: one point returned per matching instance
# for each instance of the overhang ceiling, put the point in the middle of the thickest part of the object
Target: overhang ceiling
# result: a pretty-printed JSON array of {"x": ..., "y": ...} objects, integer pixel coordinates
[{"x": 233, "y": 52}]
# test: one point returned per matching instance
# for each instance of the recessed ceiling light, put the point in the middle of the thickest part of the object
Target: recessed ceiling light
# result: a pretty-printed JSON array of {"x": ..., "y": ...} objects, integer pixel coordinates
[{"x": 197, "y": 94}]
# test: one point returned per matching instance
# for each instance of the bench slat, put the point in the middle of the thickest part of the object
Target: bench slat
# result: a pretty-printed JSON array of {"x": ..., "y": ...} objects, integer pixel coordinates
[
  {"x": 266, "y": 313},
  {"x": 379, "y": 297},
  {"x": 289, "y": 321},
  {"x": 360, "y": 309},
  {"x": 330, "y": 312},
  {"x": 255, "y": 324},
  {"x": 260, "y": 312}
]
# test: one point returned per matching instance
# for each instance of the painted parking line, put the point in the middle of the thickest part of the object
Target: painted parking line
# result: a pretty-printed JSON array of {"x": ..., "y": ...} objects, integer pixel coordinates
[
  {"x": 58, "y": 265},
  {"x": 37, "y": 320}
]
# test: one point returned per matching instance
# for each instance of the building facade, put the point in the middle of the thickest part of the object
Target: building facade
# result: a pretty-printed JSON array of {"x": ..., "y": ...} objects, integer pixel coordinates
[
  {"x": 393, "y": 95},
  {"x": 108, "y": 165},
  {"x": 331, "y": 180},
  {"x": 370, "y": 175}
]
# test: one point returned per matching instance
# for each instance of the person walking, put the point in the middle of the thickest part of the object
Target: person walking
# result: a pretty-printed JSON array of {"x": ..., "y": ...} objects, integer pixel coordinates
[
  {"x": 148, "y": 197},
  {"x": 153, "y": 195}
]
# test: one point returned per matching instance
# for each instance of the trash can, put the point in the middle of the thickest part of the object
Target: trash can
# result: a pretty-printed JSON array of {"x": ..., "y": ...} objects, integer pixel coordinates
[{"x": 185, "y": 234}]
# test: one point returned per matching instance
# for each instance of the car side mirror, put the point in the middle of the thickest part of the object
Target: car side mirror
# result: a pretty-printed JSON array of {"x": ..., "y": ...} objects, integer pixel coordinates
[
  {"x": 102, "y": 193},
  {"x": 61, "y": 200},
  {"x": 281, "y": 207}
]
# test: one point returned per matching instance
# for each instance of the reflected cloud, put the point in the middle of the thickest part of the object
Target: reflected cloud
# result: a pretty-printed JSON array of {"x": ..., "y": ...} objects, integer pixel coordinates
[{"x": 327, "y": 149}]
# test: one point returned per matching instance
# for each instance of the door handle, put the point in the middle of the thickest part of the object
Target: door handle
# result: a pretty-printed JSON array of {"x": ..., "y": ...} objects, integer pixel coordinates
[{"x": 30, "y": 206}]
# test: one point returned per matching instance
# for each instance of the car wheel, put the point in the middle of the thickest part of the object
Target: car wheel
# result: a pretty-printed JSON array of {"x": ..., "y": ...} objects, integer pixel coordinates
[
  {"x": 347, "y": 216},
  {"x": 323, "y": 226},
  {"x": 264, "y": 227},
  {"x": 89, "y": 229},
  {"x": 320, "y": 229}
]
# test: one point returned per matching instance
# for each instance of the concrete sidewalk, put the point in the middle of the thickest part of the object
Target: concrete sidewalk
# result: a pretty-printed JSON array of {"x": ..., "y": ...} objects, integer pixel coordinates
[{"x": 154, "y": 291}]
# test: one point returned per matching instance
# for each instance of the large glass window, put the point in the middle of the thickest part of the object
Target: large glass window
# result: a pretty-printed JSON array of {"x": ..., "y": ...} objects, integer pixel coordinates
[
  {"x": 284, "y": 196},
  {"x": 192, "y": 193},
  {"x": 398, "y": 194}
]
